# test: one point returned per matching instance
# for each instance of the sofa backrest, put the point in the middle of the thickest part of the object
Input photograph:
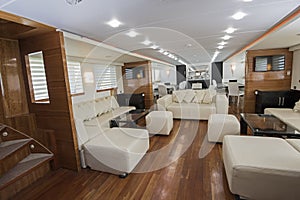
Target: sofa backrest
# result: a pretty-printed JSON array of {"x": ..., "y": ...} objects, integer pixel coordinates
[{"x": 85, "y": 117}]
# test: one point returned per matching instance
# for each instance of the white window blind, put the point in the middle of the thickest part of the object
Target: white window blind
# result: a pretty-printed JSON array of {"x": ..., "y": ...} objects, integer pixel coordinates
[
  {"x": 38, "y": 76},
  {"x": 106, "y": 77},
  {"x": 75, "y": 77}
]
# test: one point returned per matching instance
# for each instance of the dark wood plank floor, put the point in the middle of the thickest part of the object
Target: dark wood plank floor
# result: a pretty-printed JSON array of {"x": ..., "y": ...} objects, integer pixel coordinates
[{"x": 188, "y": 177}]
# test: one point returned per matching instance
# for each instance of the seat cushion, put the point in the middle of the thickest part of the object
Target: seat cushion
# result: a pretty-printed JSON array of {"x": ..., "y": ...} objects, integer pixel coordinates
[
  {"x": 295, "y": 143},
  {"x": 118, "y": 148},
  {"x": 220, "y": 125},
  {"x": 159, "y": 122},
  {"x": 261, "y": 167},
  {"x": 191, "y": 110}
]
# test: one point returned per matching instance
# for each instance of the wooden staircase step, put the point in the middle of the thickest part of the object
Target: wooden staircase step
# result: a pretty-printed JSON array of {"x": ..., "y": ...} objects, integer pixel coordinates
[
  {"x": 24, "y": 167},
  {"x": 7, "y": 148},
  {"x": 11, "y": 152}
]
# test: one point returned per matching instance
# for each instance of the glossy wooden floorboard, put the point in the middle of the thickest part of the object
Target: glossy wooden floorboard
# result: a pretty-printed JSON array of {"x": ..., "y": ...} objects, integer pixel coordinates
[{"x": 189, "y": 177}]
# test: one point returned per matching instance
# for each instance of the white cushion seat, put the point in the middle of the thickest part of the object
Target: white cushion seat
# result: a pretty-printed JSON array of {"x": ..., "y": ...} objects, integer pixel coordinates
[
  {"x": 220, "y": 125},
  {"x": 261, "y": 167},
  {"x": 159, "y": 122},
  {"x": 117, "y": 150}
]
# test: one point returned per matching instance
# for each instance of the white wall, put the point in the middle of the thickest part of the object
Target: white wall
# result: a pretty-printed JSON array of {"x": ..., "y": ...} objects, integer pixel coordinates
[
  {"x": 163, "y": 73},
  {"x": 89, "y": 85},
  {"x": 238, "y": 71},
  {"x": 295, "y": 84}
]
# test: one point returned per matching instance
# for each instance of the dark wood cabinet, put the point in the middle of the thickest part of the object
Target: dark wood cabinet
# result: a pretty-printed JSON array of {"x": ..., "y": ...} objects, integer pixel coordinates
[{"x": 275, "y": 99}]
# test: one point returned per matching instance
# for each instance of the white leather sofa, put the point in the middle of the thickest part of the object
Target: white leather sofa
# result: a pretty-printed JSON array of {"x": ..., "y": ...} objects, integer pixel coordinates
[
  {"x": 113, "y": 150},
  {"x": 262, "y": 167},
  {"x": 287, "y": 115},
  {"x": 194, "y": 104}
]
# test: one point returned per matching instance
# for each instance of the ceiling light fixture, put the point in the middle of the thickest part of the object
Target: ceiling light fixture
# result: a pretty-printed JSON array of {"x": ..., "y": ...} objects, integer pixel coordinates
[
  {"x": 166, "y": 53},
  {"x": 222, "y": 43},
  {"x": 114, "y": 23},
  {"x": 220, "y": 47},
  {"x": 247, "y": 0},
  {"x": 161, "y": 51},
  {"x": 132, "y": 33},
  {"x": 230, "y": 30},
  {"x": 73, "y": 2},
  {"x": 226, "y": 37},
  {"x": 154, "y": 46},
  {"x": 239, "y": 15},
  {"x": 146, "y": 42}
]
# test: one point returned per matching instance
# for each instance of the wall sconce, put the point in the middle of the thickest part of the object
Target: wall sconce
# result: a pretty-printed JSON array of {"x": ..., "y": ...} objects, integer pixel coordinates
[
  {"x": 168, "y": 72},
  {"x": 88, "y": 77},
  {"x": 232, "y": 67}
]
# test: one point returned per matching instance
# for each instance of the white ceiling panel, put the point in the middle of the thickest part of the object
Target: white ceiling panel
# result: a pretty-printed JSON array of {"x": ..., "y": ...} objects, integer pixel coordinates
[{"x": 170, "y": 24}]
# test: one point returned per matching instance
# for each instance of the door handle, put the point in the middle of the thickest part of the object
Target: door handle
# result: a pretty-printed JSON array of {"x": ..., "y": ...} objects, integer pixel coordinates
[
  {"x": 279, "y": 103},
  {"x": 282, "y": 102}
]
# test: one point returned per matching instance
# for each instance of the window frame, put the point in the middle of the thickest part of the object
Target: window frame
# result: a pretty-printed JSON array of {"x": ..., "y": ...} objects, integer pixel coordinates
[{"x": 30, "y": 80}]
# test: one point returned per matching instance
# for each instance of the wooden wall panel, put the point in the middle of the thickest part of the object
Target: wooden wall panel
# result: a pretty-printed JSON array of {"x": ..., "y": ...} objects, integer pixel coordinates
[
  {"x": 272, "y": 80},
  {"x": 58, "y": 114},
  {"x": 141, "y": 85},
  {"x": 13, "y": 94}
]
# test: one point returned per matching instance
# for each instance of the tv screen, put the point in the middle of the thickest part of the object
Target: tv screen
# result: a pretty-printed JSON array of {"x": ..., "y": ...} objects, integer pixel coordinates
[{"x": 269, "y": 63}]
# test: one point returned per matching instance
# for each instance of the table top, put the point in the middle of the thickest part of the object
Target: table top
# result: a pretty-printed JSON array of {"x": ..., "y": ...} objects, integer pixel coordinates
[
  {"x": 264, "y": 124},
  {"x": 130, "y": 118}
]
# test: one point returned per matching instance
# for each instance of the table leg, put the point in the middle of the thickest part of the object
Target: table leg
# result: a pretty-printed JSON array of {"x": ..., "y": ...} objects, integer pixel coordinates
[{"x": 243, "y": 126}]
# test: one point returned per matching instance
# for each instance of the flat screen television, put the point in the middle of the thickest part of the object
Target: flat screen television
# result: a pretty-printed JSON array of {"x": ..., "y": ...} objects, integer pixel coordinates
[{"x": 269, "y": 63}]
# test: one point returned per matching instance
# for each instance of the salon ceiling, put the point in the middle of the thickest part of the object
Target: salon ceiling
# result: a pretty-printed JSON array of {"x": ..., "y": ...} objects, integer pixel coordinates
[{"x": 189, "y": 29}]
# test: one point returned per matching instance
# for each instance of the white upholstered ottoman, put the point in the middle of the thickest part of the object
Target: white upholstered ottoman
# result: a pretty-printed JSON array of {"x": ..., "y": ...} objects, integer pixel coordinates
[
  {"x": 159, "y": 122},
  {"x": 220, "y": 125},
  {"x": 262, "y": 167}
]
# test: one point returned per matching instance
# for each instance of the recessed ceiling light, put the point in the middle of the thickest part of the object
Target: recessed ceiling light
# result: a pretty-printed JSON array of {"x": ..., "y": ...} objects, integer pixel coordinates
[
  {"x": 154, "y": 46},
  {"x": 146, "y": 42},
  {"x": 230, "y": 30},
  {"x": 165, "y": 53},
  {"x": 220, "y": 47},
  {"x": 239, "y": 15},
  {"x": 161, "y": 51},
  {"x": 222, "y": 43},
  {"x": 189, "y": 45},
  {"x": 247, "y": 0},
  {"x": 226, "y": 37},
  {"x": 132, "y": 33},
  {"x": 114, "y": 23}
]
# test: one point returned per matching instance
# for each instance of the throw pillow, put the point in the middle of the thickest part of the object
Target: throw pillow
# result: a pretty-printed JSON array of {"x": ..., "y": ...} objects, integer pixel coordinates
[
  {"x": 189, "y": 96},
  {"x": 208, "y": 98},
  {"x": 297, "y": 106},
  {"x": 199, "y": 95},
  {"x": 178, "y": 96}
]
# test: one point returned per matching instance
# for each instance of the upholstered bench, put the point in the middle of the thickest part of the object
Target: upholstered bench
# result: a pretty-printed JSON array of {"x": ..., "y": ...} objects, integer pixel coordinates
[
  {"x": 159, "y": 122},
  {"x": 262, "y": 167},
  {"x": 220, "y": 125}
]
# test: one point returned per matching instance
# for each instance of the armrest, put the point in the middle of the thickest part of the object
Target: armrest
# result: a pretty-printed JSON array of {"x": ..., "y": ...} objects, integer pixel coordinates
[
  {"x": 164, "y": 102},
  {"x": 221, "y": 104}
]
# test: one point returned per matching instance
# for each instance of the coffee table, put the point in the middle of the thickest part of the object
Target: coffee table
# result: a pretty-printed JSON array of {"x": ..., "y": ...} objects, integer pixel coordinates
[
  {"x": 266, "y": 125},
  {"x": 129, "y": 119}
]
